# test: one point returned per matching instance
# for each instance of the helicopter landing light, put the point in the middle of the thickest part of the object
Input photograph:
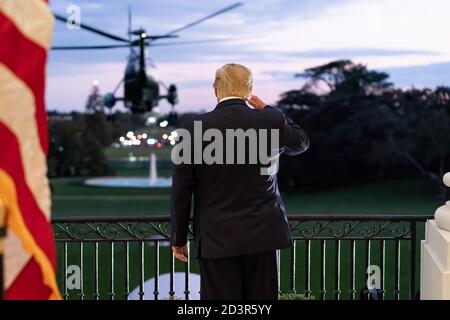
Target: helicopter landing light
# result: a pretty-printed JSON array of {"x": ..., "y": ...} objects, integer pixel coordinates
[{"x": 151, "y": 120}]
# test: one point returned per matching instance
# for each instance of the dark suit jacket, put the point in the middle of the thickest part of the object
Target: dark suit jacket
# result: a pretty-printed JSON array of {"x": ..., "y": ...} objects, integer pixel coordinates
[{"x": 237, "y": 211}]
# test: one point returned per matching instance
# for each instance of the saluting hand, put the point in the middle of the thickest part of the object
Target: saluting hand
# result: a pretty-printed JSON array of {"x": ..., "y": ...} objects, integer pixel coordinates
[{"x": 256, "y": 102}]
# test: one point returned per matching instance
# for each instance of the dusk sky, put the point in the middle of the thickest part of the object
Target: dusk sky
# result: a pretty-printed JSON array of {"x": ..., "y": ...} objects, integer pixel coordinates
[{"x": 274, "y": 38}]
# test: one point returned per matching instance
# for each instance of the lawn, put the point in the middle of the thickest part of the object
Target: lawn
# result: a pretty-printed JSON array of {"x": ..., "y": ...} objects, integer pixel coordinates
[{"x": 415, "y": 196}]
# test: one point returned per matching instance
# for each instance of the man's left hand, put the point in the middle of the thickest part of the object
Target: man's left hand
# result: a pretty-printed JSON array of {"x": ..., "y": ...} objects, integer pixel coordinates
[{"x": 181, "y": 253}]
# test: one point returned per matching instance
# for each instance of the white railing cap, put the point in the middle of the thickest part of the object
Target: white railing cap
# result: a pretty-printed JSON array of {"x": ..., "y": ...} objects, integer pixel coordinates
[{"x": 447, "y": 179}]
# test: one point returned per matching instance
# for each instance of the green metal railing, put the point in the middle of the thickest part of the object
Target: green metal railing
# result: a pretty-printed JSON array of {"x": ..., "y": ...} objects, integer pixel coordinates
[{"x": 329, "y": 258}]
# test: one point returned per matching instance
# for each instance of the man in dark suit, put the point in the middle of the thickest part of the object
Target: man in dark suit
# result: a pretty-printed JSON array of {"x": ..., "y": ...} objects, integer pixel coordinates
[{"x": 239, "y": 217}]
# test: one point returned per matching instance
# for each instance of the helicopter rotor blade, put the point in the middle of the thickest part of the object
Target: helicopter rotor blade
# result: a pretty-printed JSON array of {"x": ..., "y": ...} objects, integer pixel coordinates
[
  {"x": 233, "y": 6},
  {"x": 136, "y": 43},
  {"x": 151, "y": 38},
  {"x": 91, "y": 47},
  {"x": 163, "y": 44},
  {"x": 164, "y": 36},
  {"x": 92, "y": 29}
]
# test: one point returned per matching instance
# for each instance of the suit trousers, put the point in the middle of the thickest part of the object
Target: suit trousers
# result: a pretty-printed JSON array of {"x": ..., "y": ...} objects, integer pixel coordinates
[{"x": 246, "y": 277}]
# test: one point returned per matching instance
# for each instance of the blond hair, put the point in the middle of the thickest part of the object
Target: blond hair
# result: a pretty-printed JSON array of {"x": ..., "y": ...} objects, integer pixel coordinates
[{"x": 233, "y": 80}]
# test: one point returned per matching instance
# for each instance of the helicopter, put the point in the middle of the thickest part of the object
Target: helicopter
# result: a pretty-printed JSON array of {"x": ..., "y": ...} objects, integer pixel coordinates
[{"x": 141, "y": 90}]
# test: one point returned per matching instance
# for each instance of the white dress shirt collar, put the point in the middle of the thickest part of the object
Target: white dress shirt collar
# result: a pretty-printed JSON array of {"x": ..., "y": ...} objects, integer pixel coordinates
[{"x": 230, "y": 97}]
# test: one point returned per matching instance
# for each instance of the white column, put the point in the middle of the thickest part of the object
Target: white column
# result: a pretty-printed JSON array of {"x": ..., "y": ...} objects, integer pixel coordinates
[{"x": 435, "y": 262}]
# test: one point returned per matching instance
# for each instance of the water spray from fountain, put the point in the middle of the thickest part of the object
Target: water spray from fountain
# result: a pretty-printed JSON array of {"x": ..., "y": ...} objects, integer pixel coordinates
[
  {"x": 151, "y": 181},
  {"x": 153, "y": 178}
]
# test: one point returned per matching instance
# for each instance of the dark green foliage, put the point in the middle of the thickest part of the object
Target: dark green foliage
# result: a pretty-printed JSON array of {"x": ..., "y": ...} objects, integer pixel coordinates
[
  {"x": 362, "y": 128},
  {"x": 77, "y": 142}
]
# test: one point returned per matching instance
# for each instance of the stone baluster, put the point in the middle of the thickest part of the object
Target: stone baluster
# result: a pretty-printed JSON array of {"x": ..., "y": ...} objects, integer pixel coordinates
[
  {"x": 442, "y": 215},
  {"x": 435, "y": 249}
]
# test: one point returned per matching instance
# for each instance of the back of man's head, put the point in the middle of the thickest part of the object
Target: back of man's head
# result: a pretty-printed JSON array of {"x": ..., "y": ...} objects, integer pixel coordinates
[{"x": 233, "y": 80}]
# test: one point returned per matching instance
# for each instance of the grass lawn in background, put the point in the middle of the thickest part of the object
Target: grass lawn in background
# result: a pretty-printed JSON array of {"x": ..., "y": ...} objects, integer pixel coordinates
[{"x": 409, "y": 197}]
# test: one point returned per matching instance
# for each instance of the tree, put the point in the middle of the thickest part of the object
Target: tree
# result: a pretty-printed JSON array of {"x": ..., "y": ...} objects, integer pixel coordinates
[
  {"x": 423, "y": 138},
  {"x": 361, "y": 127},
  {"x": 76, "y": 145},
  {"x": 95, "y": 100}
]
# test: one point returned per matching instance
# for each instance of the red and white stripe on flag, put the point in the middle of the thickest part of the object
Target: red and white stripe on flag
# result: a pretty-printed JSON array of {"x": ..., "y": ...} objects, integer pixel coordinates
[{"x": 30, "y": 258}]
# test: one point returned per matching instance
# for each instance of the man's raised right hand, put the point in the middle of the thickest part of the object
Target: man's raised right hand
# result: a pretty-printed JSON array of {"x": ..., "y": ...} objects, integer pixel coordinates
[{"x": 256, "y": 102}]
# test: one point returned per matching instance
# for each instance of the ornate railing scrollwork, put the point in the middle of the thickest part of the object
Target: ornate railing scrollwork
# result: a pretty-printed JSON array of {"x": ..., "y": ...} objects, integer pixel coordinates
[
  {"x": 111, "y": 230},
  {"x": 356, "y": 229},
  {"x": 302, "y": 227}
]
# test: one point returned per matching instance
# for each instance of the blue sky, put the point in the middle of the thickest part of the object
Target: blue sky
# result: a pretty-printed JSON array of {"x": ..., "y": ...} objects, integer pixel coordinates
[{"x": 274, "y": 38}]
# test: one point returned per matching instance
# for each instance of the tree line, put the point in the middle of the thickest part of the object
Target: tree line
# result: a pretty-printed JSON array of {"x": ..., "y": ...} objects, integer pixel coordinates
[{"x": 362, "y": 128}]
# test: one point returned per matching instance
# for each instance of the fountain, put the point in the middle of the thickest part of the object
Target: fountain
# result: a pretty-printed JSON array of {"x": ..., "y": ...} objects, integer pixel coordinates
[
  {"x": 152, "y": 181},
  {"x": 153, "y": 173}
]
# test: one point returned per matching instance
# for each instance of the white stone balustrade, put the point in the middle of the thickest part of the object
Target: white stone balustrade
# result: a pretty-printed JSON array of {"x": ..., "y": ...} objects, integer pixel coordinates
[{"x": 435, "y": 263}]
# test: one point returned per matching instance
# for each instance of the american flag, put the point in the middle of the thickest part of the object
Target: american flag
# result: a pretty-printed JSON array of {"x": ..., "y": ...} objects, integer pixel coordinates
[{"x": 30, "y": 259}]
